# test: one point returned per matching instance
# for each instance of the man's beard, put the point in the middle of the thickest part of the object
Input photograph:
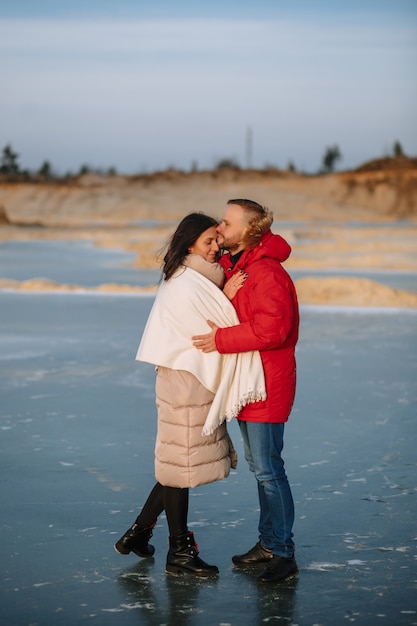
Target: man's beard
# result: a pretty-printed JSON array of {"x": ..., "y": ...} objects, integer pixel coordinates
[{"x": 230, "y": 245}]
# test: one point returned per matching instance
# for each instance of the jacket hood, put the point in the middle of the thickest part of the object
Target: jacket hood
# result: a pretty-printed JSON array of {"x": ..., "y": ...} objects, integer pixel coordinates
[{"x": 273, "y": 246}]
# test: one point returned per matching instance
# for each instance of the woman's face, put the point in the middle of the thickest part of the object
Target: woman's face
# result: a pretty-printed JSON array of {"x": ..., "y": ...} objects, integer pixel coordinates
[{"x": 206, "y": 245}]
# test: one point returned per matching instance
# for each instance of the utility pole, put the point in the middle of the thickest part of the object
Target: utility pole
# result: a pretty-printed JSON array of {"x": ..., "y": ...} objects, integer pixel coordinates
[{"x": 249, "y": 147}]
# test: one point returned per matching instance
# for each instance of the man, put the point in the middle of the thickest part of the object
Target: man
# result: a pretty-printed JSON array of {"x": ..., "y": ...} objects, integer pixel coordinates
[{"x": 268, "y": 311}]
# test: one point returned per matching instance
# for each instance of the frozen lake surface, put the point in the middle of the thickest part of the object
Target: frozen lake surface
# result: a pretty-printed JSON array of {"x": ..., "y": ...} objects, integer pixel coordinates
[
  {"x": 77, "y": 421},
  {"x": 82, "y": 263},
  {"x": 69, "y": 262}
]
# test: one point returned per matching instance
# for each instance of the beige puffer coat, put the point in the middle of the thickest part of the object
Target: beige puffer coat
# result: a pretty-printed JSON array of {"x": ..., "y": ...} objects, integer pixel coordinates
[{"x": 183, "y": 457}]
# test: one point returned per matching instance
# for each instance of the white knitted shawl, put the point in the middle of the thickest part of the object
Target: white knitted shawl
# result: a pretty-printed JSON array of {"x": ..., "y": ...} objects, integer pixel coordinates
[{"x": 181, "y": 309}]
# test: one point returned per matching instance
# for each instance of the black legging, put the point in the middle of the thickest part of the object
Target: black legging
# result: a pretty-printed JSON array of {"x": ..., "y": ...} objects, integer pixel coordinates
[{"x": 174, "y": 501}]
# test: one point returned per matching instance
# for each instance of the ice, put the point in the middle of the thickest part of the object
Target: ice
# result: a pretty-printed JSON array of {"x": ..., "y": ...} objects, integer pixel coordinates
[
  {"x": 70, "y": 386},
  {"x": 324, "y": 567}
]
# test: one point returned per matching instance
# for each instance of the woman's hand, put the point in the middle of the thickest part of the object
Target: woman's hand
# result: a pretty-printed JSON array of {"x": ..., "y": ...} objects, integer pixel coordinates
[{"x": 234, "y": 284}]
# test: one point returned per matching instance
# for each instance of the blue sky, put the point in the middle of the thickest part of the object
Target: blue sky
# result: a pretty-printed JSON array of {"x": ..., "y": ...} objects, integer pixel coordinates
[{"x": 149, "y": 85}]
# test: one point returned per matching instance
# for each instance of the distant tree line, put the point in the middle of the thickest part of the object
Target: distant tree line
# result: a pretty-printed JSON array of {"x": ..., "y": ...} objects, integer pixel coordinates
[{"x": 10, "y": 169}]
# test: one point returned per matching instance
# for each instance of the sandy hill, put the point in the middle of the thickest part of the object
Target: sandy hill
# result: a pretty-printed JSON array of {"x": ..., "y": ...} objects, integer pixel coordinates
[
  {"x": 371, "y": 192},
  {"x": 360, "y": 219}
]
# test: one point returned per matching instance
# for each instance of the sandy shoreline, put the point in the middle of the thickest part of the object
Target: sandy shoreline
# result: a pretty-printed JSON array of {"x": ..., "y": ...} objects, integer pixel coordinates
[
  {"x": 388, "y": 247},
  {"x": 355, "y": 220},
  {"x": 341, "y": 291}
]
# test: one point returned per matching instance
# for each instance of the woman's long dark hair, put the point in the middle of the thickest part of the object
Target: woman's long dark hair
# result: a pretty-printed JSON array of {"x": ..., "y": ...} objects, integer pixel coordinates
[{"x": 188, "y": 231}]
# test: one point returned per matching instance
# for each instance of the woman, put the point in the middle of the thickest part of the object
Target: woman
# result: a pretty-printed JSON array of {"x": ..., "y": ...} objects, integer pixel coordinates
[{"x": 195, "y": 392}]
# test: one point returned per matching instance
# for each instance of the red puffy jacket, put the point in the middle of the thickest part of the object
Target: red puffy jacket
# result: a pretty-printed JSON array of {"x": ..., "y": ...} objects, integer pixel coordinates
[{"x": 269, "y": 319}]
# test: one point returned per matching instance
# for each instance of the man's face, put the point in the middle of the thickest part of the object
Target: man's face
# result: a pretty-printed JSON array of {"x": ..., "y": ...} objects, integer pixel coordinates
[{"x": 232, "y": 229}]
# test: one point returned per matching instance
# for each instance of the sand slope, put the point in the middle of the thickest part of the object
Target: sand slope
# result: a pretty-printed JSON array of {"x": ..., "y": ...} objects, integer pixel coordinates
[
  {"x": 117, "y": 200},
  {"x": 344, "y": 291},
  {"x": 363, "y": 219}
]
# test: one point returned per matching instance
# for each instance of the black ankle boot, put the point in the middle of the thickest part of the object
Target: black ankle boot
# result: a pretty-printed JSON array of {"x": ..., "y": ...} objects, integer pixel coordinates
[
  {"x": 136, "y": 540},
  {"x": 183, "y": 557}
]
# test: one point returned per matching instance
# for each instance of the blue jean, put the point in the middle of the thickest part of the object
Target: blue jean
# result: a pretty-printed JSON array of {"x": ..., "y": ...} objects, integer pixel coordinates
[{"x": 263, "y": 444}]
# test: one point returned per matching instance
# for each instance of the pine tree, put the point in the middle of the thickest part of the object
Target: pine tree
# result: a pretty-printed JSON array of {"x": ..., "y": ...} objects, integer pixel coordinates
[{"x": 9, "y": 164}]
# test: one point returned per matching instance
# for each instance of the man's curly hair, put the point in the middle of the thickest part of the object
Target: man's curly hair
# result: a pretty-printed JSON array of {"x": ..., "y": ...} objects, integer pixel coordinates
[{"x": 260, "y": 220}]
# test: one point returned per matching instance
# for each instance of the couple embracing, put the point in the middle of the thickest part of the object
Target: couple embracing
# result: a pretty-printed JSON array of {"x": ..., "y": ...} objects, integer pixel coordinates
[{"x": 222, "y": 334}]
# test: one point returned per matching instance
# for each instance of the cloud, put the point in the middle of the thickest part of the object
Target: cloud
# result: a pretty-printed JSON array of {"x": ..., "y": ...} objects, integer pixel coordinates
[{"x": 188, "y": 88}]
